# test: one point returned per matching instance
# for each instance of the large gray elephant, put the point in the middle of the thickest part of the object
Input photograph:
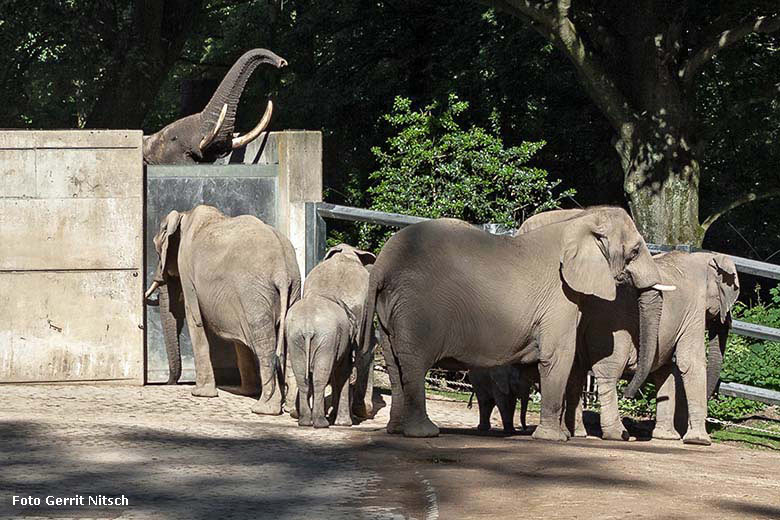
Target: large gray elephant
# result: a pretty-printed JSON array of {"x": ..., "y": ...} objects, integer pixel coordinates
[
  {"x": 323, "y": 329},
  {"x": 448, "y": 294},
  {"x": 503, "y": 386},
  {"x": 707, "y": 287},
  {"x": 237, "y": 277},
  {"x": 208, "y": 135}
]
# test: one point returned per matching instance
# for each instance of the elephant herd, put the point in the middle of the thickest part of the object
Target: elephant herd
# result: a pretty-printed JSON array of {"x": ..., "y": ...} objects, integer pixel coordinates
[{"x": 571, "y": 291}]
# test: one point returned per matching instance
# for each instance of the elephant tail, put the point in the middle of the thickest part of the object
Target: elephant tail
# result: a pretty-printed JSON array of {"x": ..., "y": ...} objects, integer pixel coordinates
[
  {"x": 307, "y": 348},
  {"x": 281, "y": 354},
  {"x": 368, "y": 314}
]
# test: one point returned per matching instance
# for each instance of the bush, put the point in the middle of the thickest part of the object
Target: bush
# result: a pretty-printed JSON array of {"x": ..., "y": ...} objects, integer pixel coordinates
[{"x": 435, "y": 168}]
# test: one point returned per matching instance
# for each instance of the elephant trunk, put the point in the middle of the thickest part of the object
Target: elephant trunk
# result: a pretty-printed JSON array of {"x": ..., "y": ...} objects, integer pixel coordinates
[
  {"x": 650, "y": 307},
  {"x": 229, "y": 92},
  {"x": 718, "y": 338},
  {"x": 171, "y": 326}
]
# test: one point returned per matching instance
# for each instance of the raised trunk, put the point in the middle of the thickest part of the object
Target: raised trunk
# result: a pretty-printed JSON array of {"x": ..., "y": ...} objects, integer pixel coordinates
[
  {"x": 717, "y": 347},
  {"x": 650, "y": 306},
  {"x": 229, "y": 92},
  {"x": 171, "y": 326}
]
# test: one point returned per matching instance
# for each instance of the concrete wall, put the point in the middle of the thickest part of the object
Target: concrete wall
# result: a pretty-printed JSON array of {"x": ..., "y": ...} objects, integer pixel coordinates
[{"x": 71, "y": 261}]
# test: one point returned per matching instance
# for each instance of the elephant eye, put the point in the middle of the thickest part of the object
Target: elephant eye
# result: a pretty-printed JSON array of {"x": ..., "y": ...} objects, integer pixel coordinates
[{"x": 633, "y": 253}]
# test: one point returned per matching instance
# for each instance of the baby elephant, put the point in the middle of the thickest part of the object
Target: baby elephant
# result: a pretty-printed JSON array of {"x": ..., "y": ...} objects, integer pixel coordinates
[
  {"x": 322, "y": 331},
  {"x": 502, "y": 386}
]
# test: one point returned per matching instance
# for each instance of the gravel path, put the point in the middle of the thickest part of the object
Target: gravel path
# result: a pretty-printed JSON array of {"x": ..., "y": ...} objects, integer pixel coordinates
[{"x": 175, "y": 456}]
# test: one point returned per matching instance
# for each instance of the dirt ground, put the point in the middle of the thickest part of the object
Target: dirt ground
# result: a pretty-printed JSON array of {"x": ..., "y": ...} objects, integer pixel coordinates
[{"x": 175, "y": 456}]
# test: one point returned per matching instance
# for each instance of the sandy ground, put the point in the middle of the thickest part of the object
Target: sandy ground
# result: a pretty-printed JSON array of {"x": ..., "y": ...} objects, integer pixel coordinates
[{"x": 175, "y": 456}]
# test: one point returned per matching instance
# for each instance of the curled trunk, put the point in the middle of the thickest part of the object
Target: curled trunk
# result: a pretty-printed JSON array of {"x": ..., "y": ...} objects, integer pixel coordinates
[
  {"x": 650, "y": 306},
  {"x": 171, "y": 326},
  {"x": 229, "y": 92},
  {"x": 717, "y": 347}
]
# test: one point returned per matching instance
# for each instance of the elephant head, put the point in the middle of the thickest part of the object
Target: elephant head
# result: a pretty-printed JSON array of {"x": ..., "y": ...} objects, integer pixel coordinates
[
  {"x": 208, "y": 135},
  {"x": 722, "y": 293},
  {"x": 366, "y": 258},
  {"x": 602, "y": 249},
  {"x": 171, "y": 300}
]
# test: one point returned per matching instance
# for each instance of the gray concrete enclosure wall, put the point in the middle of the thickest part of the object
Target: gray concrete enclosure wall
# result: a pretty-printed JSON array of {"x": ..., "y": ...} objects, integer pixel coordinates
[{"x": 71, "y": 262}]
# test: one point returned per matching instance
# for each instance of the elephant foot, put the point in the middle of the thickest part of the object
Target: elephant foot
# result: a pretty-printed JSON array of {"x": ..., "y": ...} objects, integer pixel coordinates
[
  {"x": 697, "y": 437},
  {"x": 580, "y": 432},
  {"x": 362, "y": 410},
  {"x": 343, "y": 422},
  {"x": 666, "y": 434},
  {"x": 204, "y": 391},
  {"x": 304, "y": 421},
  {"x": 510, "y": 430},
  {"x": 614, "y": 434},
  {"x": 421, "y": 428},
  {"x": 321, "y": 422},
  {"x": 483, "y": 427},
  {"x": 394, "y": 427},
  {"x": 294, "y": 413},
  {"x": 547, "y": 433},
  {"x": 269, "y": 407}
]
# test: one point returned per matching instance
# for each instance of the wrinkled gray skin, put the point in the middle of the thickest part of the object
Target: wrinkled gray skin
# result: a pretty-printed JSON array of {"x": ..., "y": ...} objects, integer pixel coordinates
[
  {"x": 503, "y": 386},
  {"x": 448, "y": 294},
  {"x": 236, "y": 277},
  {"x": 707, "y": 287},
  {"x": 180, "y": 141},
  {"x": 323, "y": 329}
]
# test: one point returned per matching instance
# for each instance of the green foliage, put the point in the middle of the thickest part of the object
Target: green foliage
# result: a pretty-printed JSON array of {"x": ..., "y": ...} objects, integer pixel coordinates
[
  {"x": 732, "y": 408},
  {"x": 433, "y": 167}
]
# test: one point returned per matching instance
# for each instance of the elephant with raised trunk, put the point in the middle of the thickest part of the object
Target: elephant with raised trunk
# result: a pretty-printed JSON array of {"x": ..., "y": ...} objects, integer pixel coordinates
[
  {"x": 323, "y": 329},
  {"x": 449, "y": 294},
  {"x": 503, "y": 386},
  {"x": 208, "y": 135},
  {"x": 236, "y": 278},
  {"x": 707, "y": 287}
]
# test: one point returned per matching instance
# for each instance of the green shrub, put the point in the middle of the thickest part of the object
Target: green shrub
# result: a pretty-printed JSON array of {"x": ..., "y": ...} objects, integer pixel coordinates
[{"x": 435, "y": 168}]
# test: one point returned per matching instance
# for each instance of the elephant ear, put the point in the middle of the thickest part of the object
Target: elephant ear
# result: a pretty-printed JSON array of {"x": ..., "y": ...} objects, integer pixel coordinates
[
  {"x": 723, "y": 273},
  {"x": 584, "y": 266},
  {"x": 548, "y": 217},
  {"x": 162, "y": 242},
  {"x": 334, "y": 251},
  {"x": 365, "y": 257},
  {"x": 500, "y": 377}
]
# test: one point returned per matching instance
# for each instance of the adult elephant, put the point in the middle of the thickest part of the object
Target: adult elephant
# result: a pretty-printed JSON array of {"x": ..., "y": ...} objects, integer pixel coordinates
[
  {"x": 707, "y": 287},
  {"x": 447, "y": 293},
  {"x": 237, "y": 277},
  {"x": 208, "y": 135}
]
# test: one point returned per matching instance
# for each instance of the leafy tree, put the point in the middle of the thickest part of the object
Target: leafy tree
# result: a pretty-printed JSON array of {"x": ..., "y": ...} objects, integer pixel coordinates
[
  {"x": 640, "y": 63},
  {"x": 435, "y": 168}
]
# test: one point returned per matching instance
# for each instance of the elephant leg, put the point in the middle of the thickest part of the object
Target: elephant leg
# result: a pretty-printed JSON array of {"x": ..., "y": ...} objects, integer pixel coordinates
[
  {"x": 611, "y": 425},
  {"x": 506, "y": 407},
  {"x": 319, "y": 382},
  {"x": 364, "y": 384},
  {"x": 395, "y": 424},
  {"x": 692, "y": 364},
  {"x": 205, "y": 386},
  {"x": 291, "y": 388},
  {"x": 486, "y": 403},
  {"x": 300, "y": 369},
  {"x": 340, "y": 387},
  {"x": 412, "y": 371},
  {"x": 573, "y": 413},
  {"x": 665, "y": 405},
  {"x": 555, "y": 366},
  {"x": 264, "y": 345},
  {"x": 247, "y": 368}
]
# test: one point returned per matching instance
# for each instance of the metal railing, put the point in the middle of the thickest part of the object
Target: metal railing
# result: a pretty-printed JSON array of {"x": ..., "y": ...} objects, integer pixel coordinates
[{"x": 316, "y": 230}]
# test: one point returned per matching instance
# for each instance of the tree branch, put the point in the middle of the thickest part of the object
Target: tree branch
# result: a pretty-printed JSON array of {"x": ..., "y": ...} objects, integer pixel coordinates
[
  {"x": 715, "y": 43},
  {"x": 748, "y": 197}
]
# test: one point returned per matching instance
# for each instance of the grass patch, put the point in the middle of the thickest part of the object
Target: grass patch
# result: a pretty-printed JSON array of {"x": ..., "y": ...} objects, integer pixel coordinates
[{"x": 749, "y": 438}]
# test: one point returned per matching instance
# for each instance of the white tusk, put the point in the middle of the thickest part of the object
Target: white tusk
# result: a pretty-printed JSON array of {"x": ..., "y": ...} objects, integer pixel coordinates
[
  {"x": 662, "y": 287},
  {"x": 207, "y": 140},
  {"x": 155, "y": 285},
  {"x": 245, "y": 139}
]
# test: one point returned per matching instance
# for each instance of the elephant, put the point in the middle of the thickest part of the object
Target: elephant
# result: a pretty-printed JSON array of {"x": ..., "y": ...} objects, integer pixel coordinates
[
  {"x": 502, "y": 386},
  {"x": 236, "y": 277},
  {"x": 451, "y": 295},
  {"x": 707, "y": 287},
  {"x": 322, "y": 330},
  {"x": 208, "y": 135}
]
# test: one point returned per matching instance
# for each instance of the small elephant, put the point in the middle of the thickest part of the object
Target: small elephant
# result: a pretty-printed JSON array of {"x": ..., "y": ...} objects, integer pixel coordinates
[
  {"x": 707, "y": 287},
  {"x": 237, "y": 276},
  {"x": 322, "y": 331},
  {"x": 502, "y": 386}
]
